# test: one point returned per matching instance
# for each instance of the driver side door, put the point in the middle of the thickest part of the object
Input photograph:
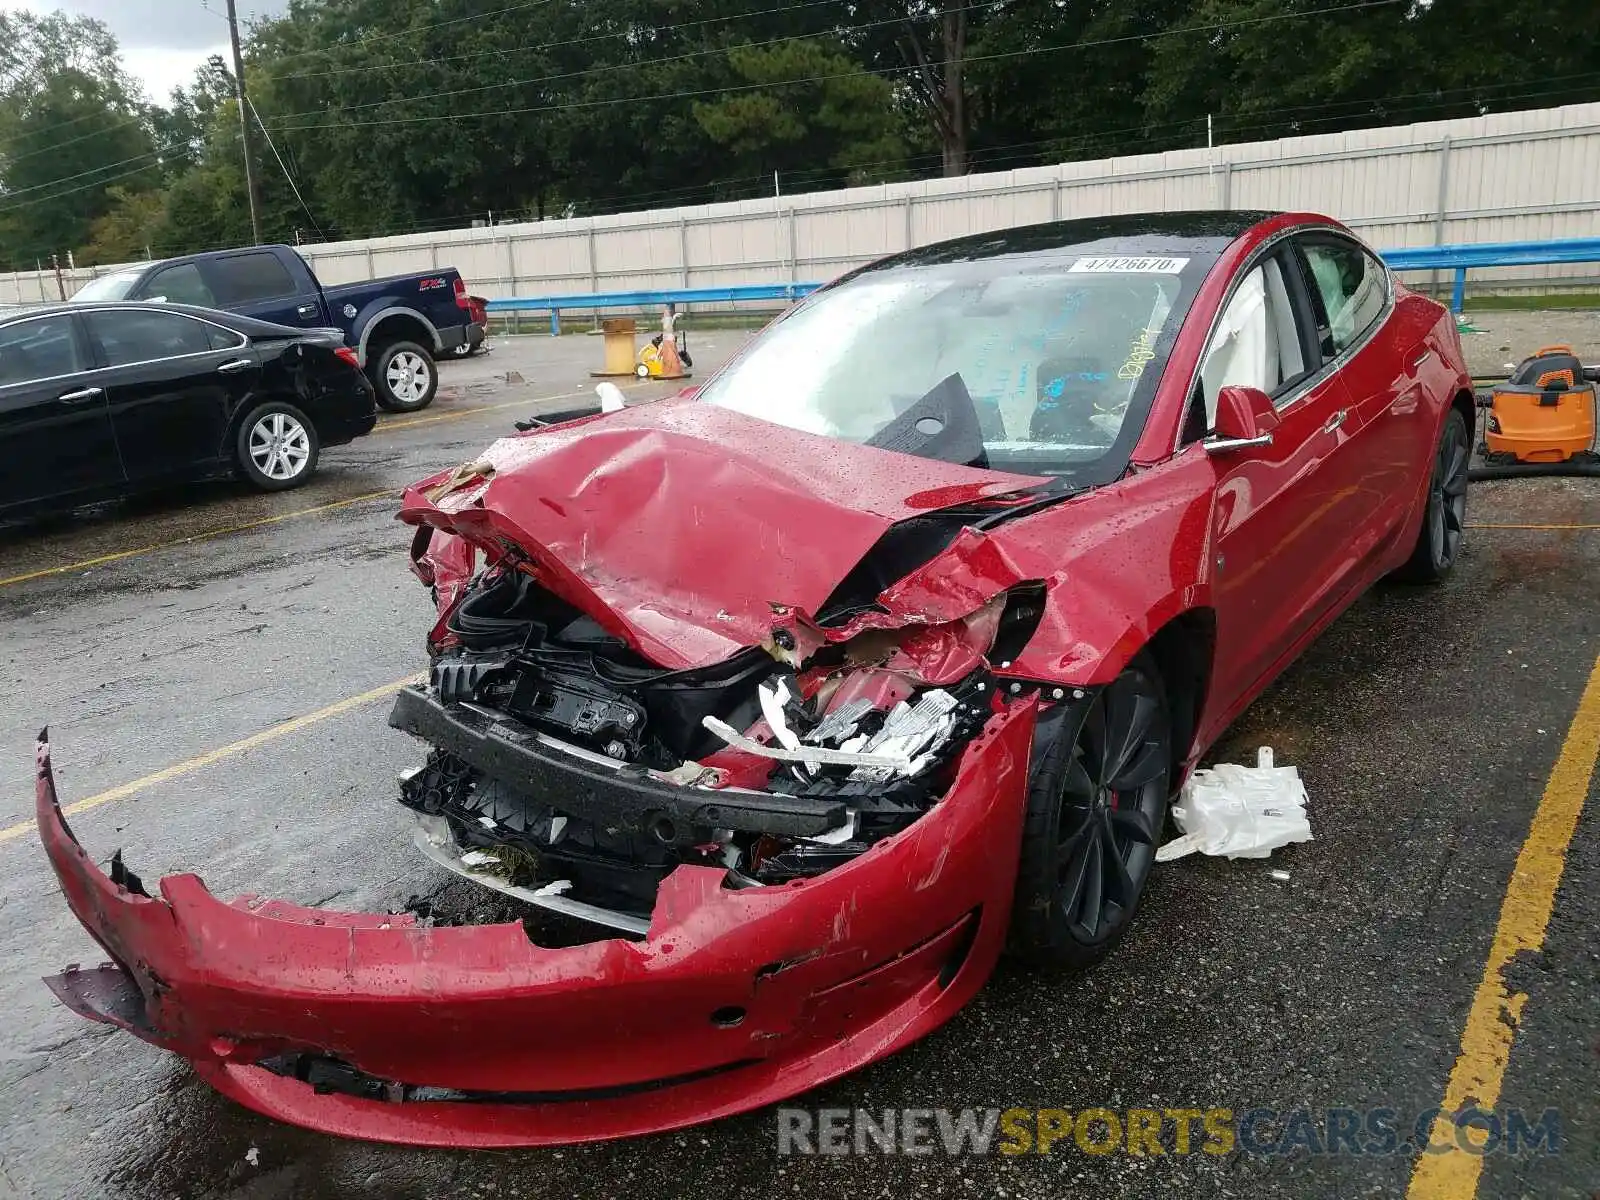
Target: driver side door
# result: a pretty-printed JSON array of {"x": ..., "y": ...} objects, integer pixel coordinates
[{"x": 1277, "y": 516}]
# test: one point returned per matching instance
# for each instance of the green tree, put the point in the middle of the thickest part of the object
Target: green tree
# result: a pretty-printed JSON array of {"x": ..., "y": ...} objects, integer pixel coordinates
[
  {"x": 182, "y": 127},
  {"x": 844, "y": 119},
  {"x": 128, "y": 228},
  {"x": 69, "y": 129}
]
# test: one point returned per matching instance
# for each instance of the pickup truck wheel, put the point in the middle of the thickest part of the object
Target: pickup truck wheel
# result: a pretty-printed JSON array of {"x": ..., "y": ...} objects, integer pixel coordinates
[
  {"x": 277, "y": 447},
  {"x": 404, "y": 376}
]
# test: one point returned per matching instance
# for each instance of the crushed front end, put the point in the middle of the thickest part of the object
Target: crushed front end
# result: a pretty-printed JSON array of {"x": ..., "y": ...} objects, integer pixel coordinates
[
  {"x": 572, "y": 773},
  {"x": 791, "y": 841},
  {"x": 378, "y": 1026}
]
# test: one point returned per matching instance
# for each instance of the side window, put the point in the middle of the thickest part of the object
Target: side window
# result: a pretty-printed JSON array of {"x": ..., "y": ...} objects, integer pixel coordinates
[
  {"x": 39, "y": 349},
  {"x": 225, "y": 339},
  {"x": 243, "y": 278},
  {"x": 130, "y": 335},
  {"x": 1256, "y": 343},
  {"x": 1353, "y": 287},
  {"x": 181, "y": 284}
]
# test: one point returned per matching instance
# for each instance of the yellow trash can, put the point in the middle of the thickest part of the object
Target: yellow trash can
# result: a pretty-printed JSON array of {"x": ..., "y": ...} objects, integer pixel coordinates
[{"x": 620, "y": 354}]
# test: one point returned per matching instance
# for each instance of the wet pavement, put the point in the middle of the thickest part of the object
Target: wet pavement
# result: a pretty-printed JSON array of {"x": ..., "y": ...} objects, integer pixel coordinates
[{"x": 1425, "y": 723}]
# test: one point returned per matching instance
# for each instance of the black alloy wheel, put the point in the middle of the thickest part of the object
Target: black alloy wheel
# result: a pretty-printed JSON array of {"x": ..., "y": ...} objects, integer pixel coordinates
[
  {"x": 1096, "y": 809},
  {"x": 1444, "y": 516}
]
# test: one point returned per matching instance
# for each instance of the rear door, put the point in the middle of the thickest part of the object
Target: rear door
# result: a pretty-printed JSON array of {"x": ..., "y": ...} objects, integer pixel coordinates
[
  {"x": 1276, "y": 532},
  {"x": 173, "y": 383},
  {"x": 181, "y": 283},
  {"x": 260, "y": 284},
  {"x": 55, "y": 427},
  {"x": 1388, "y": 430}
]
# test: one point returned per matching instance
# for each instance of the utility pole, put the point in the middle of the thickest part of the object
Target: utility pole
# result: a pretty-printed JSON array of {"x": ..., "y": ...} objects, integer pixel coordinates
[{"x": 244, "y": 126}]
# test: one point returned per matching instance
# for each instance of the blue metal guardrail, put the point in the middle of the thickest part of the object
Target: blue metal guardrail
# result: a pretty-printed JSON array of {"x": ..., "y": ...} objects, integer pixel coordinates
[
  {"x": 1417, "y": 258},
  {"x": 1490, "y": 254},
  {"x": 706, "y": 295}
]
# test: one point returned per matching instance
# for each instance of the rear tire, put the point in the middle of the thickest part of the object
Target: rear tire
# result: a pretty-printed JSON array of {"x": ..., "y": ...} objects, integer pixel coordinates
[
  {"x": 277, "y": 447},
  {"x": 404, "y": 376},
  {"x": 1444, "y": 514},
  {"x": 1097, "y": 805}
]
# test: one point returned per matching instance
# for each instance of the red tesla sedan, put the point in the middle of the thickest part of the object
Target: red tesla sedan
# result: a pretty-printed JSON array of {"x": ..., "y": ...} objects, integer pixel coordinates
[{"x": 808, "y": 694}]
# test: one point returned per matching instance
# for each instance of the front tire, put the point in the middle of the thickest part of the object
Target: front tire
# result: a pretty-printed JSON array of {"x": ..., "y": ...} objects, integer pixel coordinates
[
  {"x": 1444, "y": 515},
  {"x": 404, "y": 376},
  {"x": 1097, "y": 803},
  {"x": 277, "y": 447}
]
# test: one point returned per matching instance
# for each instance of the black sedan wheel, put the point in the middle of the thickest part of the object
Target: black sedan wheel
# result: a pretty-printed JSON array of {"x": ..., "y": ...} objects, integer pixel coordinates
[
  {"x": 277, "y": 447},
  {"x": 1097, "y": 802},
  {"x": 1444, "y": 516}
]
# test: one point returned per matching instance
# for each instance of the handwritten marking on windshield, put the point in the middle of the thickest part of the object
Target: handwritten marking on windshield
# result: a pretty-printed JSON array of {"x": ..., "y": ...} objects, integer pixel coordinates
[{"x": 1140, "y": 353}]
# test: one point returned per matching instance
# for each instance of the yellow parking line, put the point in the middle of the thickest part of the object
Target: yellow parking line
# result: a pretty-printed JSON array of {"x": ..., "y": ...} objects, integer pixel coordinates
[
  {"x": 1492, "y": 1021},
  {"x": 190, "y": 765},
  {"x": 198, "y": 537}
]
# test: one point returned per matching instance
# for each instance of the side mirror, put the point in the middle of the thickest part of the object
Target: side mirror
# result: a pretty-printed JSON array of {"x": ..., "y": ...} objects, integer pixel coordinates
[{"x": 1245, "y": 418}]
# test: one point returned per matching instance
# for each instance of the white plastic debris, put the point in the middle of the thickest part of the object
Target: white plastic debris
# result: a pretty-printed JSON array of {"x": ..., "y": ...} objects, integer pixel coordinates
[
  {"x": 253, "y": 1156},
  {"x": 772, "y": 700},
  {"x": 1240, "y": 812},
  {"x": 610, "y": 398},
  {"x": 1281, "y": 876},
  {"x": 554, "y": 889},
  {"x": 480, "y": 858}
]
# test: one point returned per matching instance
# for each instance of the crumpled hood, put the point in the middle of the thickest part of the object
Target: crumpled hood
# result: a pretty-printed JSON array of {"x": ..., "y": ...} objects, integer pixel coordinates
[{"x": 685, "y": 527}]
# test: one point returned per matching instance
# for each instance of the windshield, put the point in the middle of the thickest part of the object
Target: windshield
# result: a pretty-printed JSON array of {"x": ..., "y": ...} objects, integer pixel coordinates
[
  {"x": 1050, "y": 365},
  {"x": 115, "y": 286}
]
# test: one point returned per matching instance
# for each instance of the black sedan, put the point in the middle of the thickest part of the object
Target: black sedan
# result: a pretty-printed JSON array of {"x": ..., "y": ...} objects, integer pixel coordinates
[{"x": 100, "y": 400}]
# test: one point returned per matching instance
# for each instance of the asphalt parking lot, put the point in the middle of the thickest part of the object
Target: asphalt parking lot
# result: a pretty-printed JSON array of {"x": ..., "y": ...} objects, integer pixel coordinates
[{"x": 213, "y": 667}]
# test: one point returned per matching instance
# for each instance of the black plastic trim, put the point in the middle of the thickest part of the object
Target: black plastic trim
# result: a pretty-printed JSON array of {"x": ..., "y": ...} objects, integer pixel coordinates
[{"x": 626, "y": 799}]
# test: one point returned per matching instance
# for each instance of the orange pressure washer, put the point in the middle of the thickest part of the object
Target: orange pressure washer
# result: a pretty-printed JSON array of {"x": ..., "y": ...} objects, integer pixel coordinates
[{"x": 1542, "y": 420}]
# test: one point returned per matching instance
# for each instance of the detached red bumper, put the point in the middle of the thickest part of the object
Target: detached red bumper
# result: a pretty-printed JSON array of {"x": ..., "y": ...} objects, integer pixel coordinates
[{"x": 474, "y": 1036}]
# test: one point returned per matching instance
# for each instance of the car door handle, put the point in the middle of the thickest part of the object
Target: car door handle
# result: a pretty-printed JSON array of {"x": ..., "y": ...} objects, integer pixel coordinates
[
  {"x": 1336, "y": 420},
  {"x": 81, "y": 395},
  {"x": 234, "y": 367},
  {"x": 307, "y": 310},
  {"x": 1421, "y": 358},
  {"x": 1221, "y": 445}
]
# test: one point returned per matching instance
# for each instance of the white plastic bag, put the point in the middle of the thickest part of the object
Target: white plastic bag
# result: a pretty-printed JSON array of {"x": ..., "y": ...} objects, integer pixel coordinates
[{"x": 1240, "y": 812}]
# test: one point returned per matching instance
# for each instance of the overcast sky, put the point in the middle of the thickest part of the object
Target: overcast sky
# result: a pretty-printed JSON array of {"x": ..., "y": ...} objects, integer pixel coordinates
[{"x": 162, "y": 41}]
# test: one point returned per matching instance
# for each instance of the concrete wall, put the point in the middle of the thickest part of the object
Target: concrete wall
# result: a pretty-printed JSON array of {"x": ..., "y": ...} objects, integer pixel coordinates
[{"x": 1504, "y": 177}]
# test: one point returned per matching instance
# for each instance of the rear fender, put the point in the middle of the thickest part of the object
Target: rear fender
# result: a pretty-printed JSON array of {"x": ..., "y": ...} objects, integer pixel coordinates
[{"x": 381, "y": 314}]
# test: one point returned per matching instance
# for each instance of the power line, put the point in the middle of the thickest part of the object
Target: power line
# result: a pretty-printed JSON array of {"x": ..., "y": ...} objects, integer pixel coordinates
[
  {"x": 120, "y": 123},
  {"x": 609, "y": 68},
  {"x": 286, "y": 174},
  {"x": 298, "y": 55},
  {"x": 691, "y": 93},
  {"x": 71, "y": 191},
  {"x": 424, "y": 28},
  {"x": 1263, "y": 119},
  {"x": 152, "y": 154},
  {"x": 677, "y": 27}
]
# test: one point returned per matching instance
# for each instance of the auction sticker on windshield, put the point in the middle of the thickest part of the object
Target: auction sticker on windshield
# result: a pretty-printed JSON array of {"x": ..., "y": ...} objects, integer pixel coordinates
[{"x": 1143, "y": 265}]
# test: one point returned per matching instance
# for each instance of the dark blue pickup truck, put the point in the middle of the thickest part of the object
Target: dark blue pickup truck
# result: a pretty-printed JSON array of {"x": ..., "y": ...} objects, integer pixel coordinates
[{"x": 397, "y": 326}]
